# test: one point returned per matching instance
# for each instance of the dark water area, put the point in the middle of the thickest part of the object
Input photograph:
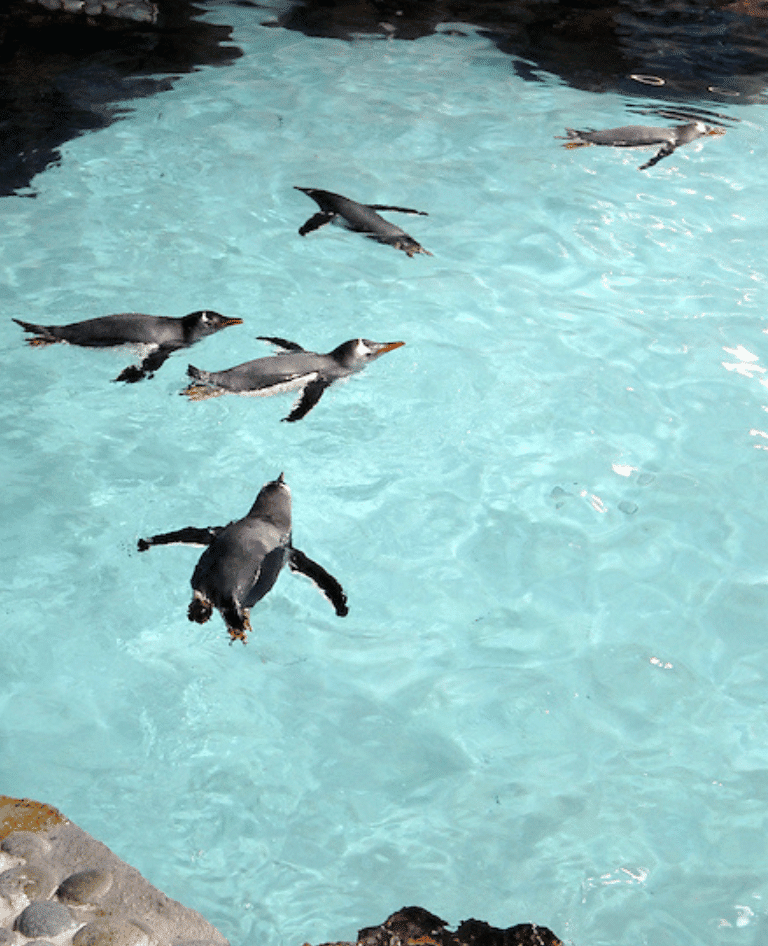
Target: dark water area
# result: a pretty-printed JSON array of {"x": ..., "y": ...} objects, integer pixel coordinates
[{"x": 65, "y": 74}]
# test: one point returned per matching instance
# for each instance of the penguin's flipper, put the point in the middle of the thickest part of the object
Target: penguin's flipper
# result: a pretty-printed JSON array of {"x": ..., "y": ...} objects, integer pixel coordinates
[
  {"x": 265, "y": 576},
  {"x": 280, "y": 342},
  {"x": 147, "y": 368},
  {"x": 189, "y": 536},
  {"x": 314, "y": 223},
  {"x": 330, "y": 587},
  {"x": 309, "y": 397},
  {"x": 664, "y": 151},
  {"x": 402, "y": 210}
]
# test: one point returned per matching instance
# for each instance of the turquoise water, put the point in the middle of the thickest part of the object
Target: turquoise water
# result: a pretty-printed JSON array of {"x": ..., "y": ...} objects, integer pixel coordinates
[{"x": 548, "y": 702}]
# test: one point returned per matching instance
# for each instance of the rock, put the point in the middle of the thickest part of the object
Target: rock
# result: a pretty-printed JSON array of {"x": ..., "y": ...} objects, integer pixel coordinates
[
  {"x": 114, "y": 932},
  {"x": 412, "y": 925},
  {"x": 44, "y": 918},
  {"x": 24, "y": 844},
  {"x": 86, "y": 886},
  {"x": 36, "y": 883},
  {"x": 115, "y": 904},
  {"x": 139, "y": 11}
]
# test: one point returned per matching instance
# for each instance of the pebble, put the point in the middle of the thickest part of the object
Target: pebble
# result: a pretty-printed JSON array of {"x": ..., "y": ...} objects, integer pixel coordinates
[
  {"x": 86, "y": 886},
  {"x": 44, "y": 918},
  {"x": 113, "y": 933},
  {"x": 24, "y": 844},
  {"x": 36, "y": 883},
  {"x": 141, "y": 11}
]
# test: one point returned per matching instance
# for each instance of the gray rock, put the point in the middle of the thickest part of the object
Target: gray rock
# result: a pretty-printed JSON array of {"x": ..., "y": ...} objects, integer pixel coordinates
[
  {"x": 86, "y": 886},
  {"x": 36, "y": 883},
  {"x": 114, "y": 932},
  {"x": 139, "y": 11},
  {"x": 43, "y": 918},
  {"x": 24, "y": 844}
]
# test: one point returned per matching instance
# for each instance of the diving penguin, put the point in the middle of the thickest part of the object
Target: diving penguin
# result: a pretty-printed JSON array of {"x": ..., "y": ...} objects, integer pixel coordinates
[
  {"x": 635, "y": 136},
  {"x": 288, "y": 370},
  {"x": 243, "y": 559},
  {"x": 362, "y": 218},
  {"x": 158, "y": 335}
]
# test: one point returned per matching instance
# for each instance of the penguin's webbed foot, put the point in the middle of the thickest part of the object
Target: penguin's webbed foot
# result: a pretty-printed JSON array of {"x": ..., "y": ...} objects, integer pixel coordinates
[
  {"x": 412, "y": 250},
  {"x": 200, "y": 392},
  {"x": 239, "y": 633},
  {"x": 200, "y": 610},
  {"x": 132, "y": 374}
]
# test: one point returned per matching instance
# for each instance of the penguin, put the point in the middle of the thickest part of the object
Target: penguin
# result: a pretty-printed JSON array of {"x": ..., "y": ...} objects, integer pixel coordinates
[
  {"x": 635, "y": 136},
  {"x": 288, "y": 370},
  {"x": 158, "y": 335},
  {"x": 362, "y": 218},
  {"x": 243, "y": 559}
]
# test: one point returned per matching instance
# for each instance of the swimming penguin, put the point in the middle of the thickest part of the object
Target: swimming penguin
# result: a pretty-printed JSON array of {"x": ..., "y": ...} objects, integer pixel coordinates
[
  {"x": 362, "y": 218},
  {"x": 158, "y": 335},
  {"x": 635, "y": 136},
  {"x": 288, "y": 371},
  {"x": 243, "y": 559}
]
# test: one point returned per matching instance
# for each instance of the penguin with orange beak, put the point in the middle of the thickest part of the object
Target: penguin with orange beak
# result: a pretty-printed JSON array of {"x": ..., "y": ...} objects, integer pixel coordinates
[
  {"x": 636, "y": 136},
  {"x": 155, "y": 336},
  {"x": 289, "y": 370}
]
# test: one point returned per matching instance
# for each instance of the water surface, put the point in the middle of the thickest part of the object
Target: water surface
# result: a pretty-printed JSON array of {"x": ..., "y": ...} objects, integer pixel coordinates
[{"x": 548, "y": 701}]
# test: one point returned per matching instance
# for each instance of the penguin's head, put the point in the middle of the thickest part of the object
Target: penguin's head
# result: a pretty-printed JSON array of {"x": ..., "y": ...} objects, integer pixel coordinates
[
  {"x": 697, "y": 129},
  {"x": 357, "y": 352},
  {"x": 205, "y": 322},
  {"x": 274, "y": 503}
]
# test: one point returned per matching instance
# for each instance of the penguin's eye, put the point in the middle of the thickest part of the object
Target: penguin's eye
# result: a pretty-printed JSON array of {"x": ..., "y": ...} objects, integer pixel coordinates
[{"x": 204, "y": 317}]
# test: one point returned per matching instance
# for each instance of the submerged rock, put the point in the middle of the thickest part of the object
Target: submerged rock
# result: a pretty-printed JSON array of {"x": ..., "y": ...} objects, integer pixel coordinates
[
  {"x": 415, "y": 926},
  {"x": 138, "y": 11}
]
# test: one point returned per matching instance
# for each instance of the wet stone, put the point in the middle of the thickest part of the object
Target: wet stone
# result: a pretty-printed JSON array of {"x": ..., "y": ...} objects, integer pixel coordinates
[
  {"x": 36, "y": 883},
  {"x": 43, "y": 918},
  {"x": 113, "y": 933},
  {"x": 86, "y": 886},
  {"x": 24, "y": 844}
]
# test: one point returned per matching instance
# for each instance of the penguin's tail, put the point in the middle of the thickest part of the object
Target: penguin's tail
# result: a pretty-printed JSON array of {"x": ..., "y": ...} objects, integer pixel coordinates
[
  {"x": 574, "y": 138},
  {"x": 201, "y": 390},
  {"x": 44, "y": 336}
]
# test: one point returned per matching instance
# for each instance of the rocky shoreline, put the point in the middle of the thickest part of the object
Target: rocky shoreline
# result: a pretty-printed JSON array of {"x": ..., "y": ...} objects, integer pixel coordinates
[{"x": 60, "y": 886}]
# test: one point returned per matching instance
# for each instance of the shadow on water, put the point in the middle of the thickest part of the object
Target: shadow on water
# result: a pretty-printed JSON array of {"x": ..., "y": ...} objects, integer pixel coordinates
[
  {"x": 680, "y": 49},
  {"x": 62, "y": 75},
  {"x": 65, "y": 74}
]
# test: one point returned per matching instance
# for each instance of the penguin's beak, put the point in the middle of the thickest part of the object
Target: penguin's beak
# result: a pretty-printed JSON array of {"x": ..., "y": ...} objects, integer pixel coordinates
[
  {"x": 387, "y": 346},
  {"x": 233, "y": 321},
  {"x": 281, "y": 479},
  {"x": 716, "y": 131}
]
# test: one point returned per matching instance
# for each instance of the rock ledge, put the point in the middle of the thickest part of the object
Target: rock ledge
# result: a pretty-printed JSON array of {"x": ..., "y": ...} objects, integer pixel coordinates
[{"x": 57, "y": 882}]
